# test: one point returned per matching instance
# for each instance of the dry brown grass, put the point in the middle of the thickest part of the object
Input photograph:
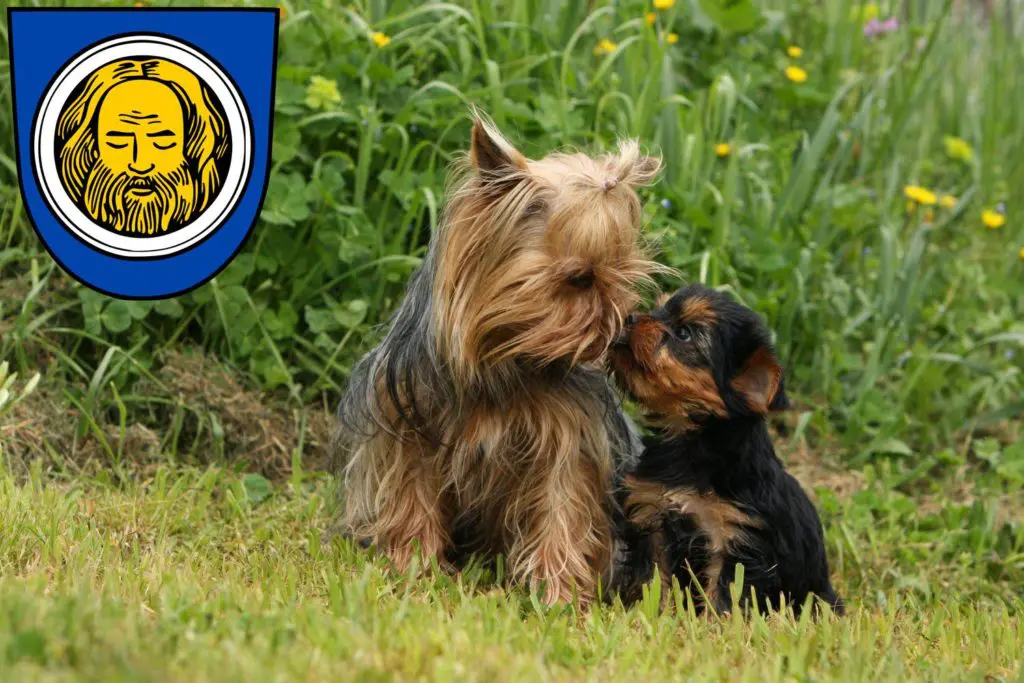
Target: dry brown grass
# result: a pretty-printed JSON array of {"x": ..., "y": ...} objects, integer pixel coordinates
[
  {"x": 815, "y": 470},
  {"x": 256, "y": 427},
  {"x": 201, "y": 412}
]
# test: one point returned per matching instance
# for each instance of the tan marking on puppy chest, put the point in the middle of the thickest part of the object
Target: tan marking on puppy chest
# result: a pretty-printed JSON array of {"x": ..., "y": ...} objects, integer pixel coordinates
[
  {"x": 645, "y": 504},
  {"x": 723, "y": 523}
]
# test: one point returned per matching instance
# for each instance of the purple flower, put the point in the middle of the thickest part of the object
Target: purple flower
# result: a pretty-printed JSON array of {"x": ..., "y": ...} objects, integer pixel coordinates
[
  {"x": 876, "y": 28},
  {"x": 666, "y": 204}
]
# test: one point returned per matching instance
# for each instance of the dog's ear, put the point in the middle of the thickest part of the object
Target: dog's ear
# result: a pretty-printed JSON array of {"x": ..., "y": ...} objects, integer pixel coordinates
[
  {"x": 759, "y": 382},
  {"x": 491, "y": 154}
]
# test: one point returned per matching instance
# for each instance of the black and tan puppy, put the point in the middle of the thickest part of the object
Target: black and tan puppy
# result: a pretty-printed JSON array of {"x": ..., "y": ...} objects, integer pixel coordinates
[{"x": 709, "y": 492}]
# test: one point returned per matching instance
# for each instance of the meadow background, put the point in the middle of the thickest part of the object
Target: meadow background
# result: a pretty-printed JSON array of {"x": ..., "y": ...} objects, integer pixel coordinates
[{"x": 852, "y": 170}]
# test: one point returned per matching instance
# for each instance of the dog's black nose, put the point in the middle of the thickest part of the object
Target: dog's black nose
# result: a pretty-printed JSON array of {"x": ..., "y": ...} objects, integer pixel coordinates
[{"x": 631, "y": 320}]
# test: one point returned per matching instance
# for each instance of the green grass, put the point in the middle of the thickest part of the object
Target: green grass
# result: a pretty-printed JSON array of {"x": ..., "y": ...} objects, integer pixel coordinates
[
  {"x": 140, "y": 539},
  {"x": 186, "y": 577}
]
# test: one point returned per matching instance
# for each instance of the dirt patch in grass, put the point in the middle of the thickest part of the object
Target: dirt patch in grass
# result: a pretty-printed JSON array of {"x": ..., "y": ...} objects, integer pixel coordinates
[
  {"x": 813, "y": 468},
  {"x": 813, "y": 471},
  {"x": 251, "y": 425},
  {"x": 192, "y": 410},
  {"x": 46, "y": 426}
]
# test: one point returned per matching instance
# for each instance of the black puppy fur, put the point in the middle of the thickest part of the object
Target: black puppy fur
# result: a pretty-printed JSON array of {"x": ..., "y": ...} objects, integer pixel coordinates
[{"x": 709, "y": 493}]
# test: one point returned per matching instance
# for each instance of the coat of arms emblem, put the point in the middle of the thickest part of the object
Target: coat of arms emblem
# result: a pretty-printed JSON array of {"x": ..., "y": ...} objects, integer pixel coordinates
[{"x": 143, "y": 139}]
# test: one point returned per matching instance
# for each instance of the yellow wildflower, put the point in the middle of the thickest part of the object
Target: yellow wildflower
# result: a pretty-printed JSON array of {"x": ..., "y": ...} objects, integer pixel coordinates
[
  {"x": 867, "y": 13},
  {"x": 650, "y": 17},
  {"x": 795, "y": 52},
  {"x": 947, "y": 201},
  {"x": 282, "y": 11},
  {"x": 1021, "y": 253},
  {"x": 379, "y": 39},
  {"x": 920, "y": 195},
  {"x": 796, "y": 74},
  {"x": 993, "y": 220},
  {"x": 604, "y": 46},
  {"x": 664, "y": 4},
  {"x": 958, "y": 148},
  {"x": 322, "y": 93},
  {"x": 929, "y": 216},
  {"x": 672, "y": 38},
  {"x": 722, "y": 149}
]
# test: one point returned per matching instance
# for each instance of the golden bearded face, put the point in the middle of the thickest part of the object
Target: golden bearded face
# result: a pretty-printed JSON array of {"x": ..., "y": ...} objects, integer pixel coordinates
[
  {"x": 141, "y": 129},
  {"x": 144, "y": 148},
  {"x": 141, "y": 168}
]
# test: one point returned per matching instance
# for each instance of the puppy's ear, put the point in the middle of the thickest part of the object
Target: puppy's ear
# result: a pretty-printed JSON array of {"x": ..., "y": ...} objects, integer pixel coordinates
[
  {"x": 759, "y": 382},
  {"x": 491, "y": 154}
]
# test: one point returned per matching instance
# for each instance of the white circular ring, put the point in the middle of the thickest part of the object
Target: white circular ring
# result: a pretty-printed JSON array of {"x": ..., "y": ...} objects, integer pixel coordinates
[{"x": 44, "y": 139}]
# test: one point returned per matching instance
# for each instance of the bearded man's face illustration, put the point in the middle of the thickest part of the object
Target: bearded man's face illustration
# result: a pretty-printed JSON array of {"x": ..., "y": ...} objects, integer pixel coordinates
[
  {"x": 141, "y": 182},
  {"x": 144, "y": 146}
]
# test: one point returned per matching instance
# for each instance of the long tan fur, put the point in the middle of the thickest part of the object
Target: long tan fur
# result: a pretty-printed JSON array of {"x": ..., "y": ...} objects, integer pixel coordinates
[{"x": 488, "y": 414}]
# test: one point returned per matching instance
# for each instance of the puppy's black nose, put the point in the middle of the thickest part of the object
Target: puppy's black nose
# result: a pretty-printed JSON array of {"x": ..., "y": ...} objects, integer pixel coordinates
[{"x": 631, "y": 319}]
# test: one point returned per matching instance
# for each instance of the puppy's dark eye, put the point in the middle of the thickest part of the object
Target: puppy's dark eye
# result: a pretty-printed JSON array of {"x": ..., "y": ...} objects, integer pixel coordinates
[{"x": 684, "y": 333}]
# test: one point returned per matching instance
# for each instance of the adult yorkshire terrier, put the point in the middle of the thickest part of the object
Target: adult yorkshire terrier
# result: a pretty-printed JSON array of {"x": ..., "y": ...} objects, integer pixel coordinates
[
  {"x": 709, "y": 493},
  {"x": 483, "y": 422}
]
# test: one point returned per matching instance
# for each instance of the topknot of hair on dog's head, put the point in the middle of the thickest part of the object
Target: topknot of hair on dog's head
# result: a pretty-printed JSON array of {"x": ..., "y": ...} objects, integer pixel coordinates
[
  {"x": 631, "y": 167},
  {"x": 495, "y": 161}
]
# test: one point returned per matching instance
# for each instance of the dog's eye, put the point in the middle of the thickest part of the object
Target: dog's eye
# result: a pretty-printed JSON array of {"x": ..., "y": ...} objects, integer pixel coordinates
[
  {"x": 583, "y": 280},
  {"x": 684, "y": 333}
]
